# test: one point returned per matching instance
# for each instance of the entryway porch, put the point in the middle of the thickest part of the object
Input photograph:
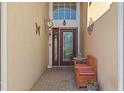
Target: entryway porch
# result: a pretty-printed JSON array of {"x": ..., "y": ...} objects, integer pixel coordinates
[{"x": 57, "y": 79}]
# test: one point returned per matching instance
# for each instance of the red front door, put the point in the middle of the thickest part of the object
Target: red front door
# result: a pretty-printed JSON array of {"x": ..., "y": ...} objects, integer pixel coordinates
[{"x": 64, "y": 46}]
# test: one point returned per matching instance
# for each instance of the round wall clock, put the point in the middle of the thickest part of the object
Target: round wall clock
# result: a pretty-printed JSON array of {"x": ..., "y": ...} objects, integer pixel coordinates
[{"x": 49, "y": 24}]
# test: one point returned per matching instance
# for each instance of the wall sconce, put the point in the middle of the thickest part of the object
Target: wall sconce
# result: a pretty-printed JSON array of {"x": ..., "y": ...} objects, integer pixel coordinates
[
  {"x": 90, "y": 27},
  {"x": 64, "y": 23}
]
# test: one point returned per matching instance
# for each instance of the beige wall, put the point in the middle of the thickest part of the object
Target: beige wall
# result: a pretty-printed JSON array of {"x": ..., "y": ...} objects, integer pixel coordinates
[
  {"x": 27, "y": 52},
  {"x": 97, "y": 9},
  {"x": 103, "y": 45}
]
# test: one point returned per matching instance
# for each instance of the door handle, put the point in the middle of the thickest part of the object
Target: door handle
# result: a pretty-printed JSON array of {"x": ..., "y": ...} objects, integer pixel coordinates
[{"x": 71, "y": 56}]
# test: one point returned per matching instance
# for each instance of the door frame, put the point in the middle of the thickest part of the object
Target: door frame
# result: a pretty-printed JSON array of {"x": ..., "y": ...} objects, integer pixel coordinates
[
  {"x": 60, "y": 30},
  {"x": 77, "y": 25}
]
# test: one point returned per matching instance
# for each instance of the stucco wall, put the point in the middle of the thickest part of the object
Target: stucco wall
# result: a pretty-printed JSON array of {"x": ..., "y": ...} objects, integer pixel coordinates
[
  {"x": 97, "y": 9},
  {"x": 103, "y": 45},
  {"x": 27, "y": 52},
  {"x": 83, "y": 25}
]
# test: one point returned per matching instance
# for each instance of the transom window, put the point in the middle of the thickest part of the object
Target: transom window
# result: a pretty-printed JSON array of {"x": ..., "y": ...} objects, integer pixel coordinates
[{"x": 64, "y": 10}]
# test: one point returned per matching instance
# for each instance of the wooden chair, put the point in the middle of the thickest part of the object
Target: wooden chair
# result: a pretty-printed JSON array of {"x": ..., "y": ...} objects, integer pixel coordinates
[{"x": 84, "y": 72}]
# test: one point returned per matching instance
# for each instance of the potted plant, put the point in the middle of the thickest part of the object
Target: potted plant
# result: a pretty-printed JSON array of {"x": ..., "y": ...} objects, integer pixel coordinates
[{"x": 91, "y": 85}]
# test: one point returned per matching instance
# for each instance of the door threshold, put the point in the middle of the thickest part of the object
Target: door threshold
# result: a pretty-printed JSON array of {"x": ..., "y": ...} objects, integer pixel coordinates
[{"x": 62, "y": 66}]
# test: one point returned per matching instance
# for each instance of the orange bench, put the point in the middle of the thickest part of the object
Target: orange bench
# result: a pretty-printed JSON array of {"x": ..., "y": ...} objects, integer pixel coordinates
[{"x": 84, "y": 72}]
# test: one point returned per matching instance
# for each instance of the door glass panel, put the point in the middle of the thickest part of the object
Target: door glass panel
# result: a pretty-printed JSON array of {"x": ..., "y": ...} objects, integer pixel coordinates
[
  {"x": 67, "y": 46},
  {"x": 56, "y": 47}
]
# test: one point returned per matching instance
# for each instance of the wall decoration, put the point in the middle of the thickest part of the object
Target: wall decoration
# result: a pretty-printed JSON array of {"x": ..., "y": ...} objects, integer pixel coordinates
[
  {"x": 90, "y": 3},
  {"x": 90, "y": 27},
  {"x": 48, "y": 24},
  {"x": 37, "y": 29}
]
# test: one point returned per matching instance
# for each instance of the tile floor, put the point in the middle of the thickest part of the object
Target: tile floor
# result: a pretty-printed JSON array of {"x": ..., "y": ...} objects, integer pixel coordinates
[{"x": 57, "y": 79}]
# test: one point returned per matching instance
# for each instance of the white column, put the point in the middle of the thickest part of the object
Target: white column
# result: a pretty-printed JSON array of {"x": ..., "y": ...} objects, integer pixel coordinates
[
  {"x": 50, "y": 37},
  {"x": 50, "y": 50},
  {"x": 3, "y": 46},
  {"x": 120, "y": 33},
  {"x": 78, "y": 21}
]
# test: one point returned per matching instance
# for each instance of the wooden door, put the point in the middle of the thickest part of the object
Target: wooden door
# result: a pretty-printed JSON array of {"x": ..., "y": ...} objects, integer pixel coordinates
[
  {"x": 68, "y": 46},
  {"x": 64, "y": 43}
]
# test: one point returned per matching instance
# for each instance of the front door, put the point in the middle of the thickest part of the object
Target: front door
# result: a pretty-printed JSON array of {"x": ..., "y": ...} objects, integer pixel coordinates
[{"x": 64, "y": 46}]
